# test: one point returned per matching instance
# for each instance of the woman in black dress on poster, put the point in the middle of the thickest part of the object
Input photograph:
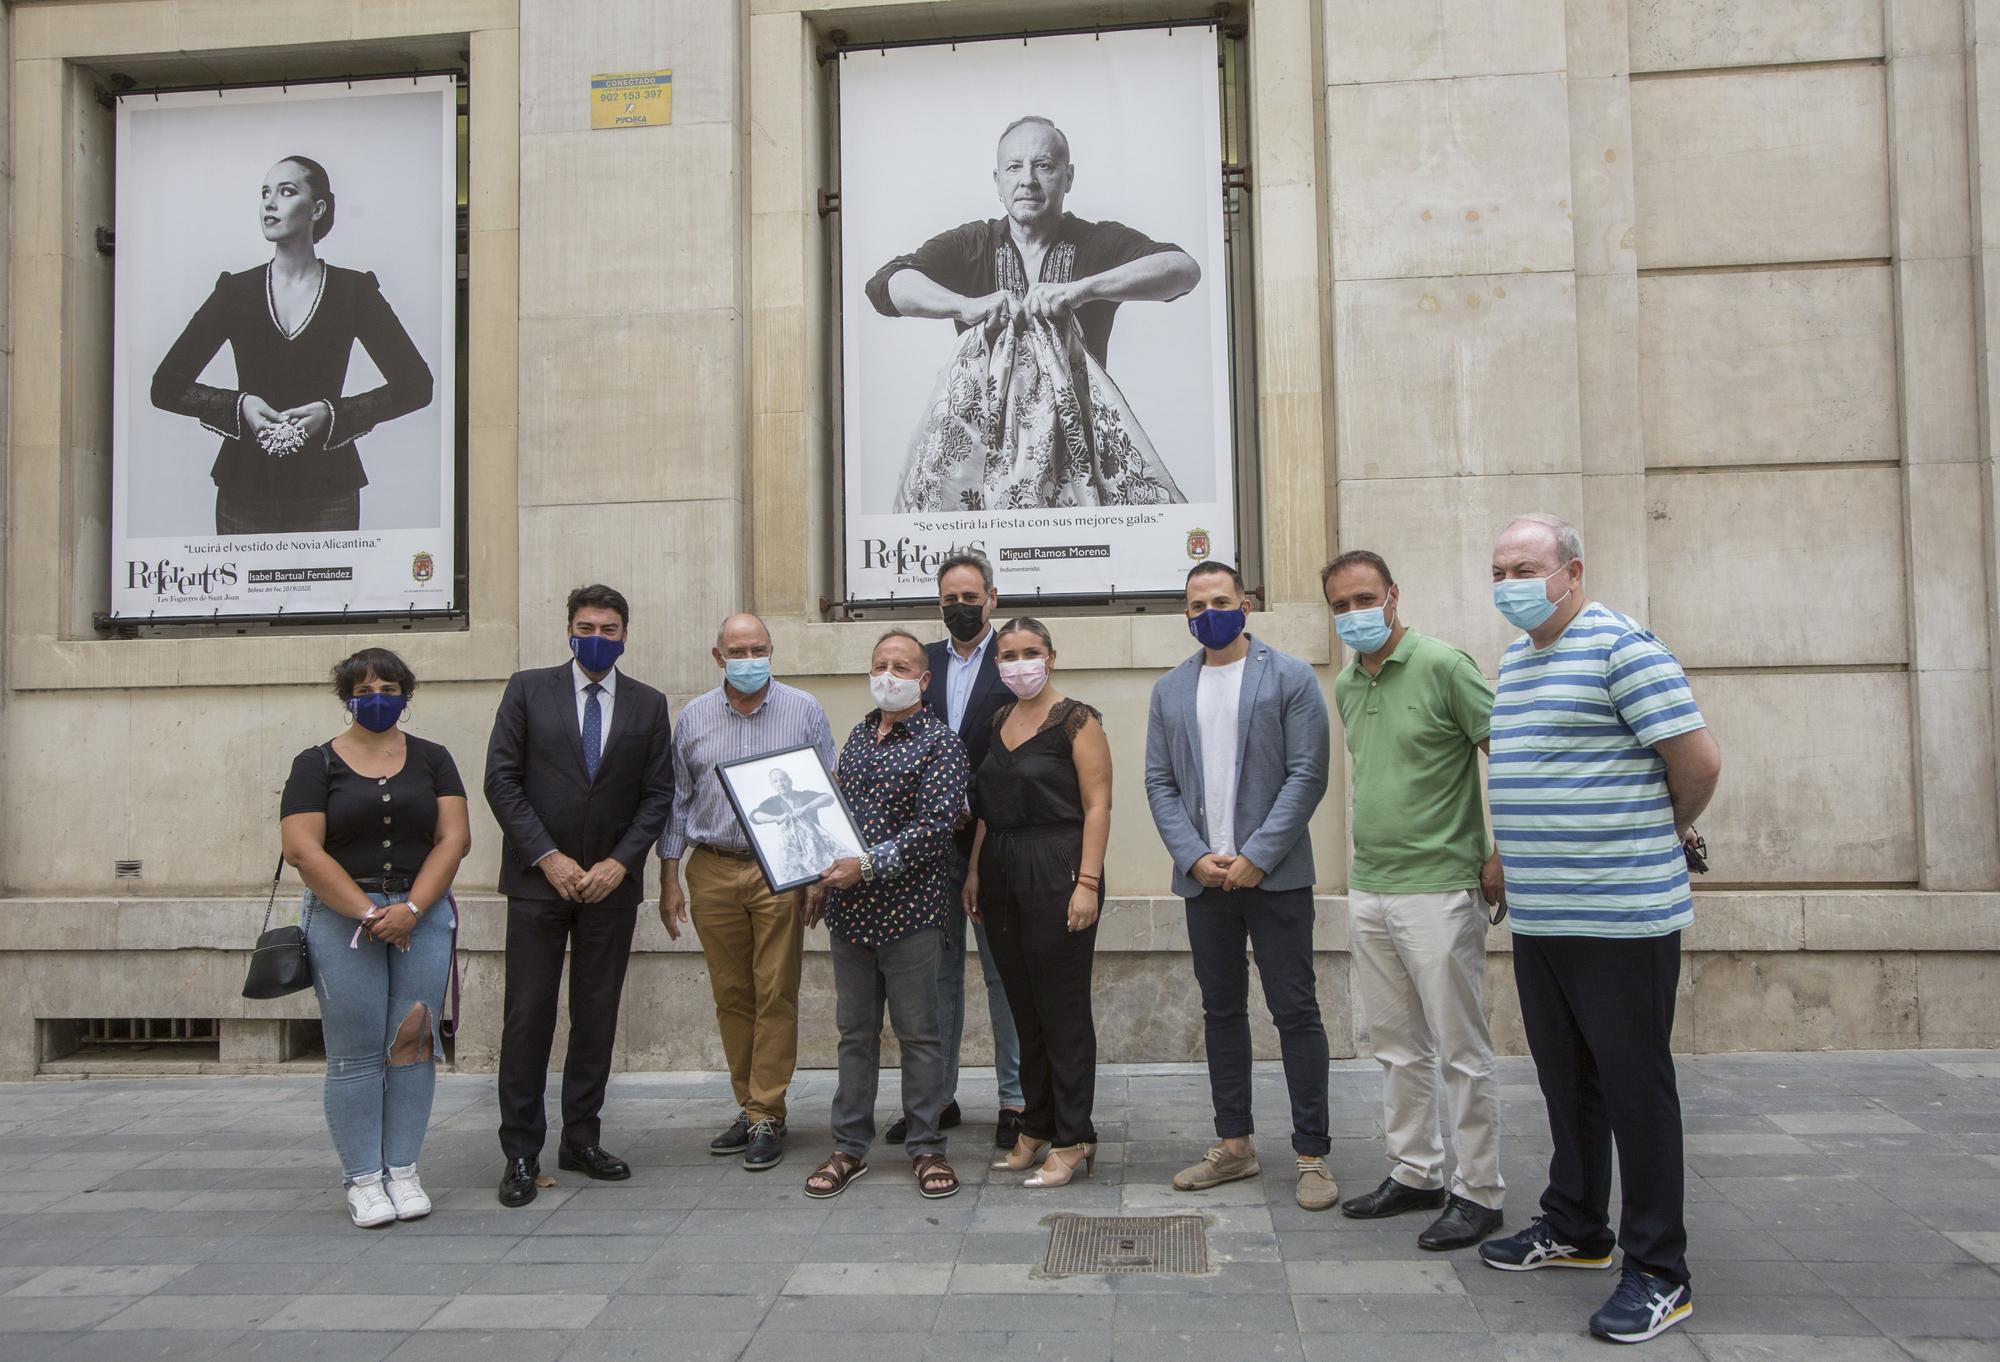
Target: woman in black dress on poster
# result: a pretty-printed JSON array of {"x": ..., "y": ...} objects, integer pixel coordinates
[
  {"x": 288, "y": 461},
  {"x": 1038, "y": 884}
]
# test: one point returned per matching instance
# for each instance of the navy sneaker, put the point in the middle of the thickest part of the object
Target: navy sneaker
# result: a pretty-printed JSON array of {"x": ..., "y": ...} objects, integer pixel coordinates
[
  {"x": 1537, "y": 1246},
  {"x": 1642, "y": 1307}
]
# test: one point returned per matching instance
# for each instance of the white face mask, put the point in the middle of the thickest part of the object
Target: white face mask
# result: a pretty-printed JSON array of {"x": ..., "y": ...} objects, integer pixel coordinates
[{"x": 893, "y": 693}]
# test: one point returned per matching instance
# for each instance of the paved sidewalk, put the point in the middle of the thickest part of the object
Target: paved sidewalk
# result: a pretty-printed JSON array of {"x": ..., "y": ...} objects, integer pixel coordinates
[{"x": 1843, "y": 1208}]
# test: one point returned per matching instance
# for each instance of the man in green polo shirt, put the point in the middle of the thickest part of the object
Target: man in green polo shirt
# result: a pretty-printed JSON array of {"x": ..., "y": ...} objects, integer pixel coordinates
[{"x": 1416, "y": 713}]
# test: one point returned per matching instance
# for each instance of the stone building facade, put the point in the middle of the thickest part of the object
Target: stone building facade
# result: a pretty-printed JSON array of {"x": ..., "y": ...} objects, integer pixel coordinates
[{"x": 1713, "y": 278}]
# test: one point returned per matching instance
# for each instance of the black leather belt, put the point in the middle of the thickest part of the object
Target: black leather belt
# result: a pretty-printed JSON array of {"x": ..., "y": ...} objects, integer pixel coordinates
[
  {"x": 385, "y": 884},
  {"x": 733, "y": 853}
]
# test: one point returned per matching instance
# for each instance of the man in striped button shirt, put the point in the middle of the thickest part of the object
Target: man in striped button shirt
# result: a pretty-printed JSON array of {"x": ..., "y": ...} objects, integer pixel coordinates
[
  {"x": 750, "y": 937},
  {"x": 1600, "y": 764}
]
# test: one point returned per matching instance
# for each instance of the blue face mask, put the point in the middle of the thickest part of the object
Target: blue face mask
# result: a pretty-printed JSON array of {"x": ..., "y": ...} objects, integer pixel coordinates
[
  {"x": 1217, "y": 629},
  {"x": 597, "y": 653},
  {"x": 1362, "y": 630},
  {"x": 376, "y": 713},
  {"x": 1525, "y": 600},
  {"x": 747, "y": 675}
]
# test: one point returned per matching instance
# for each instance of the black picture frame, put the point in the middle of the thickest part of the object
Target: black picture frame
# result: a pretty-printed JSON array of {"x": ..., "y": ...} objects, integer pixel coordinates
[{"x": 788, "y": 861}]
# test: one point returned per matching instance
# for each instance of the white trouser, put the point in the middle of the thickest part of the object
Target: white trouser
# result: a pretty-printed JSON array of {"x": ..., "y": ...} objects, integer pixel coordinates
[{"x": 1420, "y": 960}]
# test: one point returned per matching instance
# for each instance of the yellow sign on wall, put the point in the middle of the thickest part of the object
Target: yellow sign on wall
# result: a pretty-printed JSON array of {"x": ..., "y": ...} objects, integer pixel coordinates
[{"x": 632, "y": 99}]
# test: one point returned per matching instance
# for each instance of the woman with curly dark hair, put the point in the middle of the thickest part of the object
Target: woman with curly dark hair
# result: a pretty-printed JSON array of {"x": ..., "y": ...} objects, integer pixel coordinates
[{"x": 375, "y": 823}]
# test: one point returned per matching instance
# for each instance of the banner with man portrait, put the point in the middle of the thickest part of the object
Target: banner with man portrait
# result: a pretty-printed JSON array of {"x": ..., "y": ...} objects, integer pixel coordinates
[
  {"x": 283, "y": 409},
  {"x": 1034, "y": 313}
]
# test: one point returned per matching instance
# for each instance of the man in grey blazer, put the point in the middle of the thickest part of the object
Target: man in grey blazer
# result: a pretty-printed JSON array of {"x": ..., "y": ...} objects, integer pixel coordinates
[{"x": 1236, "y": 757}]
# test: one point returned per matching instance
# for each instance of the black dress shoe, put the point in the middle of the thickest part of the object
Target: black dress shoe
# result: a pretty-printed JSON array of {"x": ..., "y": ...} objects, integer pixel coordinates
[
  {"x": 517, "y": 1184},
  {"x": 1463, "y": 1224},
  {"x": 734, "y": 1140},
  {"x": 766, "y": 1148},
  {"x": 1392, "y": 1198},
  {"x": 594, "y": 1162},
  {"x": 1007, "y": 1130},
  {"x": 899, "y": 1130}
]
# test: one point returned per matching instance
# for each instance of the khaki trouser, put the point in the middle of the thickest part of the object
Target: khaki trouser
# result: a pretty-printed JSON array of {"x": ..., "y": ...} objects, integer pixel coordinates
[
  {"x": 751, "y": 939},
  {"x": 1420, "y": 960}
]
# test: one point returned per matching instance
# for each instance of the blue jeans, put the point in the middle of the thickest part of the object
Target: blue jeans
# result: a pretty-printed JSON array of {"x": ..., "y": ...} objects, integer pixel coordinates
[
  {"x": 376, "y": 1109},
  {"x": 951, "y": 1002}
]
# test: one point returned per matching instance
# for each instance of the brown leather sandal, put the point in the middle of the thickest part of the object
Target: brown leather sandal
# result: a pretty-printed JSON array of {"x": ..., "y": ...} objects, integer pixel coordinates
[
  {"x": 833, "y": 1176},
  {"x": 935, "y": 1178}
]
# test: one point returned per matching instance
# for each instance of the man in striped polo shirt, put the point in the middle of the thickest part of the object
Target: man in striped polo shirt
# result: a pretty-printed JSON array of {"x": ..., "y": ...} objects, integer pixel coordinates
[{"x": 1600, "y": 764}]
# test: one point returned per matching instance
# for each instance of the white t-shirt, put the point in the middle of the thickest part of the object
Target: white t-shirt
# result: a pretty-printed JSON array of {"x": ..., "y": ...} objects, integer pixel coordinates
[{"x": 1215, "y": 703}]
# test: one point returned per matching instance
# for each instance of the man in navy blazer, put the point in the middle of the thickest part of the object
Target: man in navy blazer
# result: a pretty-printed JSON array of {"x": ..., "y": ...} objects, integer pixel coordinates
[
  {"x": 580, "y": 777},
  {"x": 965, "y": 693},
  {"x": 1236, "y": 757}
]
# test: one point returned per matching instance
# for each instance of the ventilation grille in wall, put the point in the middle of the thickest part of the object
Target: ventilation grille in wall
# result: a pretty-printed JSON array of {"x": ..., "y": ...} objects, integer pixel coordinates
[
  {"x": 136, "y": 1031},
  {"x": 127, "y": 870}
]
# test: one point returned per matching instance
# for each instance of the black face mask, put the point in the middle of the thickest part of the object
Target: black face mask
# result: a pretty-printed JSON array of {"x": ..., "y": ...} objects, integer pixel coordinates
[{"x": 966, "y": 622}]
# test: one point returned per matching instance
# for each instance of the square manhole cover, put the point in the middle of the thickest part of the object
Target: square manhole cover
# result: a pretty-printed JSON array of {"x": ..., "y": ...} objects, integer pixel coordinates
[{"x": 1085, "y": 1245}]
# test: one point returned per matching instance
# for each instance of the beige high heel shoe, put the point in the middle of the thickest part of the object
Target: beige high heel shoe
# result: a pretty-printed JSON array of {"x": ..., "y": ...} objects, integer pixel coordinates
[
  {"x": 1062, "y": 1165},
  {"x": 1027, "y": 1152}
]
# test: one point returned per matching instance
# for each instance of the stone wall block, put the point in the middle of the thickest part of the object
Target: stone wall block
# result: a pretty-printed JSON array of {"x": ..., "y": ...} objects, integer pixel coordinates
[
  {"x": 1600, "y": 151},
  {"x": 1771, "y": 542},
  {"x": 1491, "y": 190},
  {"x": 669, "y": 260},
  {"x": 1383, "y": 40},
  {"x": 1608, "y": 374},
  {"x": 1762, "y": 166},
  {"x": 1955, "y": 994},
  {"x": 1960, "y": 806},
  {"x": 1940, "y": 375},
  {"x": 1597, "y": 35},
  {"x": 1466, "y": 377},
  {"x": 594, "y": 429},
  {"x": 1818, "y": 777},
  {"x": 1765, "y": 1001},
  {"x": 1683, "y": 35},
  {"x": 1928, "y": 142},
  {"x": 1763, "y": 367}
]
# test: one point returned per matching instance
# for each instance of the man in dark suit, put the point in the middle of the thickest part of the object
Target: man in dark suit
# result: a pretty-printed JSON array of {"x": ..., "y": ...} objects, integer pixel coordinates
[
  {"x": 580, "y": 776},
  {"x": 965, "y": 692}
]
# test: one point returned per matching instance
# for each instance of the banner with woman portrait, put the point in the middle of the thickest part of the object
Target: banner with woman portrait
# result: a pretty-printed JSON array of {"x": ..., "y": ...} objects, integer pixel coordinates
[
  {"x": 283, "y": 425},
  {"x": 1034, "y": 313}
]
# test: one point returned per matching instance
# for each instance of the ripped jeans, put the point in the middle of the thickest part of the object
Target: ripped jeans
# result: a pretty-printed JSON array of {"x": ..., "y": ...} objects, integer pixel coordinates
[{"x": 379, "y": 1009}]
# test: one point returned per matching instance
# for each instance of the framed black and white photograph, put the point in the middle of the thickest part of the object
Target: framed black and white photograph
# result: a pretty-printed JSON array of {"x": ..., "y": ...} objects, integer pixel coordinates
[
  {"x": 284, "y": 375},
  {"x": 792, "y": 813},
  {"x": 1034, "y": 312}
]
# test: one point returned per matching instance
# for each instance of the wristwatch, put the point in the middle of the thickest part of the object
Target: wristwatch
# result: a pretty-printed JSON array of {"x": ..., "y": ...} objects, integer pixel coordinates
[{"x": 867, "y": 867}]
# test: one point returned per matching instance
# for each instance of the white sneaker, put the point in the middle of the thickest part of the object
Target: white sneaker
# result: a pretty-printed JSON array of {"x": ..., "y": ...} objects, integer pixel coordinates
[
  {"x": 407, "y": 1194},
  {"x": 368, "y": 1203}
]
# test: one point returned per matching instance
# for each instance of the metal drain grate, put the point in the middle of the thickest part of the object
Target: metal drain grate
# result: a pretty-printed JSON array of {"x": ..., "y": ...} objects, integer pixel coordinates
[{"x": 1083, "y": 1245}]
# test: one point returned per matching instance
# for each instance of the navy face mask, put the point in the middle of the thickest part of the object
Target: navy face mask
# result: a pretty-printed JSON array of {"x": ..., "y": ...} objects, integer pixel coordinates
[
  {"x": 1217, "y": 629},
  {"x": 376, "y": 713},
  {"x": 597, "y": 653}
]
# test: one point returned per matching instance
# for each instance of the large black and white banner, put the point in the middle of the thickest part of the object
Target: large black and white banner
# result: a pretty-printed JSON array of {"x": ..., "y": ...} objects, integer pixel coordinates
[
  {"x": 1034, "y": 313},
  {"x": 283, "y": 384}
]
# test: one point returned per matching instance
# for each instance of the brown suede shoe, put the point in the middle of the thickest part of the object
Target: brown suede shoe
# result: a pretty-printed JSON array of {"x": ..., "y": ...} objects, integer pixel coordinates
[
  {"x": 1217, "y": 1166},
  {"x": 1317, "y": 1190}
]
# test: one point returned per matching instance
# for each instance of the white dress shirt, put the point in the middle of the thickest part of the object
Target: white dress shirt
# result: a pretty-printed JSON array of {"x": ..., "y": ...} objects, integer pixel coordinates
[
  {"x": 606, "y": 702},
  {"x": 960, "y": 673}
]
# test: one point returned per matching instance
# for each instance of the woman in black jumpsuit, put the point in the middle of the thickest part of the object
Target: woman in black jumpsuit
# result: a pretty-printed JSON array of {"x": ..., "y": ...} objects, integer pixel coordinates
[
  {"x": 292, "y": 375},
  {"x": 1038, "y": 885}
]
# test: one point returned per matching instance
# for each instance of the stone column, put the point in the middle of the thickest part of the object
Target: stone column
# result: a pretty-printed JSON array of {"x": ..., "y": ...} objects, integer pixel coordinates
[
  {"x": 1946, "y": 467},
  {"x": 632, "y": 402}
]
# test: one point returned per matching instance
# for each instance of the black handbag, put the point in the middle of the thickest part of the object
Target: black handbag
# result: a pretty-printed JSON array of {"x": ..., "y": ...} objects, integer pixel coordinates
[{"x": 279, "y": 965}]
